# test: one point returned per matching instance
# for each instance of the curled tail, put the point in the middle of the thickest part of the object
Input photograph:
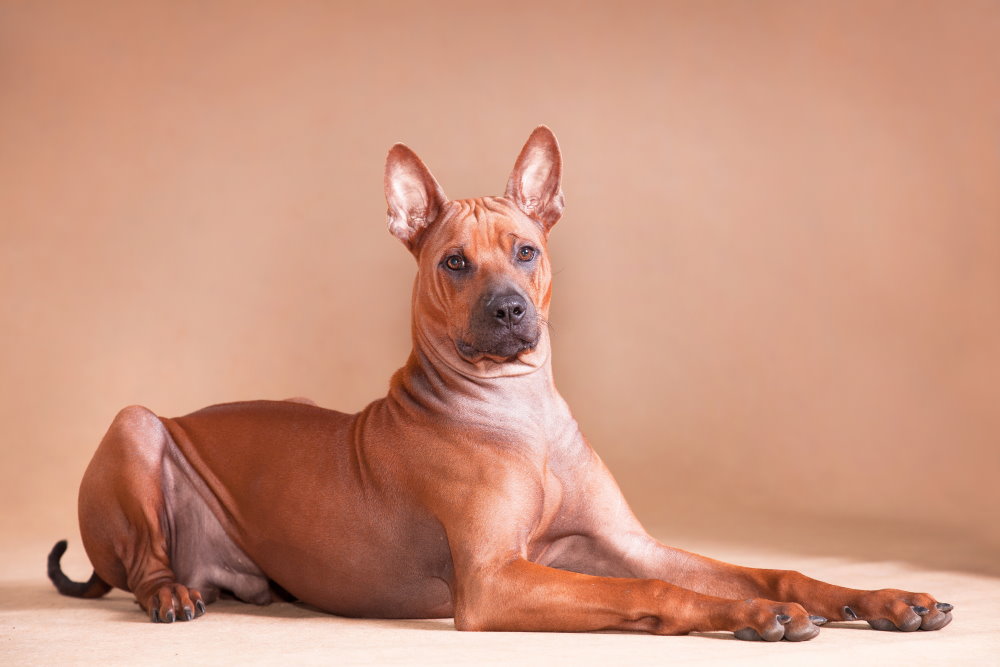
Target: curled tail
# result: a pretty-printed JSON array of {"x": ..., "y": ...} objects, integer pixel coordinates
[{"x": 94, "y": 588}]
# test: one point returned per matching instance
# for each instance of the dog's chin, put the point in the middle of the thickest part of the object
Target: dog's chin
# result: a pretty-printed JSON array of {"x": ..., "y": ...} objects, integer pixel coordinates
[{"x": 502, "y": 353}]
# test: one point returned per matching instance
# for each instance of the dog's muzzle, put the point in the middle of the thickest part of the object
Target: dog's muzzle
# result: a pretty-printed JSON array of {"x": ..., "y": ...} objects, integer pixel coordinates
[{"x": 503, "y": 325}]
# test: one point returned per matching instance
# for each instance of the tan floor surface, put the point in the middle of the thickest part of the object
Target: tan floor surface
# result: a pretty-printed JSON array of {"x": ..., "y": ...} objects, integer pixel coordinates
[{"x": 37, "y": 627}]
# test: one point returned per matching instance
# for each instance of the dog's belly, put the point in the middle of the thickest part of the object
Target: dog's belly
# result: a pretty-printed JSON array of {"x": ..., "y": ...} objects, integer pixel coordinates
[{"x": 290, "y": 489}]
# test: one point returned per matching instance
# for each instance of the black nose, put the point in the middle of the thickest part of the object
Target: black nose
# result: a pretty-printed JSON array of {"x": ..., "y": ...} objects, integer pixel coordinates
[{"x": 508, "y": 309}]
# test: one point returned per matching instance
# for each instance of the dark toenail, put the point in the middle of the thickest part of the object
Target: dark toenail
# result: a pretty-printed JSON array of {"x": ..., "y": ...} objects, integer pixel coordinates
[
  {"x": 818, "y": 620},
  {"x": 921, "y": 611},
  {"x": 849, "y": 614},
  {"x": 783, "y": 618},
  {"x": 944, "y": 606},
  {"x": 169, "y": 616},
  {"x": 200, "y": 606},
  {"x": 188, "y": 613},
  {"x": 156, "y": 614}
]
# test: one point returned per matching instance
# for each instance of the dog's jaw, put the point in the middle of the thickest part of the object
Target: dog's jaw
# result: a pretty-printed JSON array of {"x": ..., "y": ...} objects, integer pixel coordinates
[
  {"x": 473, "y": 355},
  {"x": 442, "y": 350}
]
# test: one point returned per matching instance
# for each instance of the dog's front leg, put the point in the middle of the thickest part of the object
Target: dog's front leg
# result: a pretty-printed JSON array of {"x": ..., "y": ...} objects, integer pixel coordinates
[
  {"x": 613, "y": 543},
  {"x": 495, "y": 587},
  {"x": 518, "y": 595},
  {"x": 884, "y": 609}
]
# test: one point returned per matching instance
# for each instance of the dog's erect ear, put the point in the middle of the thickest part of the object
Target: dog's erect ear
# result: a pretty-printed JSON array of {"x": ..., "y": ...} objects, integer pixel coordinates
[
  {"x": 534, "y": 184},
  {"x": 414, "y": 197}
]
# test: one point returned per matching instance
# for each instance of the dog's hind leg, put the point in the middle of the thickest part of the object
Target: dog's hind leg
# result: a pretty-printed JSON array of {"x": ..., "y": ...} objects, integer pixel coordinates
[{"x": 125, "y": 520}]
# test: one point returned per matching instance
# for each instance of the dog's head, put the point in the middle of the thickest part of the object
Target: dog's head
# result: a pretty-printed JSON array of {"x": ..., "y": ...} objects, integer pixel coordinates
[{"x": 481, "y": 297}]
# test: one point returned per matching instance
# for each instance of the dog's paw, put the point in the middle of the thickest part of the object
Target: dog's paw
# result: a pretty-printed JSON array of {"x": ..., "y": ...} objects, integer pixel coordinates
[
  {"x": 173, "y": 602},
  {"x": 891, "y": 609},
  {"x": 771, "y": 621}
]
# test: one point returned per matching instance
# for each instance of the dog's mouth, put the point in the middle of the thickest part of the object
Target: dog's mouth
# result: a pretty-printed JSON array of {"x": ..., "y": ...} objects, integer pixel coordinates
[{"x": 503, "y": 351}]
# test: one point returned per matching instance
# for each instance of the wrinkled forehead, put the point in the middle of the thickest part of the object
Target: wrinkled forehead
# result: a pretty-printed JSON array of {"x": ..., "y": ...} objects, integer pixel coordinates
[{"x": 479, "y": 224}]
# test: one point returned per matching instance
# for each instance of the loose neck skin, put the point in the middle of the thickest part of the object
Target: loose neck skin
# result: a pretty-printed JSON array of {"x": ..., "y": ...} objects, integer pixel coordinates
[{"x": 516, "y": 401}]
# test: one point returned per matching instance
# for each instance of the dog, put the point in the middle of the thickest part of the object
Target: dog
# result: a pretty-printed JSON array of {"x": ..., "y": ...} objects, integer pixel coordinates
[{"x": 467, "y": 492}]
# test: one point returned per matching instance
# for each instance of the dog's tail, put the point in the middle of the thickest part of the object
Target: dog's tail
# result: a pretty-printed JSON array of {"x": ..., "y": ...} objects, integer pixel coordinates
[{"x": 94, "y": 588}]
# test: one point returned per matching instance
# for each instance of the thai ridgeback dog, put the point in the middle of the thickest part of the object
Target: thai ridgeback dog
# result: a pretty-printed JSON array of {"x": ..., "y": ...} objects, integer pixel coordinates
[{"x": 468, "y": 491}]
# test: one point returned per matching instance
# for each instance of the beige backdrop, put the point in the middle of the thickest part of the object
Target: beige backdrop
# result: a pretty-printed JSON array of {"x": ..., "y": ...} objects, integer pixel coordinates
[{"x": 777, "y": 305}]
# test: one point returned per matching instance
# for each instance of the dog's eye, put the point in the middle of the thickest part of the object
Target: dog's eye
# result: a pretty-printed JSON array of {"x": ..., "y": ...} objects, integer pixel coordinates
[
  {"x": 455, "y": 262},
  {"x": 526, "y": 253}
]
